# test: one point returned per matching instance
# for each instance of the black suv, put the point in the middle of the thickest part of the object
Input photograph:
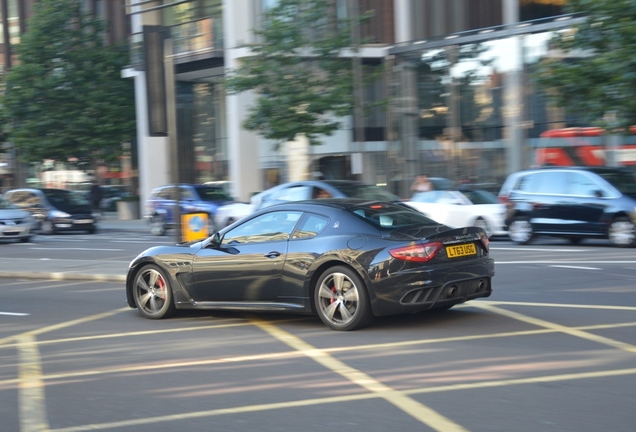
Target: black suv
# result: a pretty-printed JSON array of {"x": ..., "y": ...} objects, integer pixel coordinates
[{"x": 571, "y": 202}]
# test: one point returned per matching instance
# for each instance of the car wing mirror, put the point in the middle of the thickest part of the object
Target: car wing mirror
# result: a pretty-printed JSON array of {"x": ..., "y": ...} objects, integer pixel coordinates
[{"x": 214, "y": 241}]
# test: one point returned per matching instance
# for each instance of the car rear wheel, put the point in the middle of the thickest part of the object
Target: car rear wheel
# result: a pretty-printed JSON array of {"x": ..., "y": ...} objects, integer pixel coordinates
[
  {"x": 342, "y": 301},
  {"x": 157, "y": 226},
  {"x": 622, "y": 232},
  {"x": 520, "y": 230},
  {"x": 152, "y": 293},
  {"x": 481, "y": 223}
]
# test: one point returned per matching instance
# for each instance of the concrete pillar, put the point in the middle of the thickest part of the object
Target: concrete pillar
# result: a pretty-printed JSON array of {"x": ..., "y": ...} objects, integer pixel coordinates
[
  {"x": 513, "y": 94},
  {"x": 403, "y": 23},
  {"x": 243, "y": 146}
]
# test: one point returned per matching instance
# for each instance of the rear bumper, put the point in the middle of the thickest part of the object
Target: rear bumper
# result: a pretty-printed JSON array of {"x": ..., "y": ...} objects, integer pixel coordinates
[{"x": 437, "y": 287}]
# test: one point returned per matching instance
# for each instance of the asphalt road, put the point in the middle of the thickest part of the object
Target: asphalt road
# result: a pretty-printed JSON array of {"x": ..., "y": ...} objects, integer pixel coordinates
[{"x": 554, "y": 349}]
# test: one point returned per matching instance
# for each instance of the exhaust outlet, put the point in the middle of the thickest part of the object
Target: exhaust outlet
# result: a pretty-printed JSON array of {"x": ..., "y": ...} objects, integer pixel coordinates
[
  {"x": 481, "y": 285},
  {"x": 451, "y": 291}
]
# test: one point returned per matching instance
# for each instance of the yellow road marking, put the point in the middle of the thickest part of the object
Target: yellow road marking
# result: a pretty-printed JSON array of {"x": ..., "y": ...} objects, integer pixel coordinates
[
  {"x": 559, "y": 328},
  {"x": 339, "y": 399},
  {"x": 28, "y": 342},
  {"x": 554, "y": 305},
  {"x": 32, "y": 407},
  {"x": 410, "y": 406},
  {"x": 281, "y": 355},
  {"x": 65, "y": 324}
]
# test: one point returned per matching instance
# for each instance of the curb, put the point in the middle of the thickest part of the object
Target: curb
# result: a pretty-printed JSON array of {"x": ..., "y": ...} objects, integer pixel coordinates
[{"x": 61, "y": 276}]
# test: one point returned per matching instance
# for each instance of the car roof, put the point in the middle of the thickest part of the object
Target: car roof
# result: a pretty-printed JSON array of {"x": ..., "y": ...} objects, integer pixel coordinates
[{"x": 595, "y": 169}]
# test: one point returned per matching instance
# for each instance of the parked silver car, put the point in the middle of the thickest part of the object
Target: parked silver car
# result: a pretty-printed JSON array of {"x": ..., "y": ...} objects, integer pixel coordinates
[{"x": 15, "y": 224}]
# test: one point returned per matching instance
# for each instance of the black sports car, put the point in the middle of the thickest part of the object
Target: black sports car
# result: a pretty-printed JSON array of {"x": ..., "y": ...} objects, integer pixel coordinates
[{"x": 346, "y": 260}]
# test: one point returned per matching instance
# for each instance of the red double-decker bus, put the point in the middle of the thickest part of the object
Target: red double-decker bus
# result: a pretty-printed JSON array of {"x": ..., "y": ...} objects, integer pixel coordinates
[{"x": 582, "y": 146}]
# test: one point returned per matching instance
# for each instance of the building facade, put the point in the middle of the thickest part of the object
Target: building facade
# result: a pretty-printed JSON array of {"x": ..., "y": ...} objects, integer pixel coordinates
[
  {"x": 419, "y": 131},
  {"x": 456, "y": 73}
]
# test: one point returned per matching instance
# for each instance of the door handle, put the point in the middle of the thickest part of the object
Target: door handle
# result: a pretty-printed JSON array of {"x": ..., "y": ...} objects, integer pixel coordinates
[{"x": 272, "y": 254}]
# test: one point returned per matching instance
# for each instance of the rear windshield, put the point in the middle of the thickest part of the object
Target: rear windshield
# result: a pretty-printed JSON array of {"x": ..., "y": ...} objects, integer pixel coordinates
[
  {"x": 63, "y": 197},
  {"x": 480, "y": 196},
  {"x": 387, "y": 215},
  {"x": 622, "y": 180},
  {"x": 213, "y": 193},
  {"x": 368, "y": 192}
]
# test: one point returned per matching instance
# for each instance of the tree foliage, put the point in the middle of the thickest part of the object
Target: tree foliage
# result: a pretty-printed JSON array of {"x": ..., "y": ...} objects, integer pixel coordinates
[
  {"x": 298, "y": 72},
  {"x": 595, "y": 75},
  {"x": 66, "y": 97}
]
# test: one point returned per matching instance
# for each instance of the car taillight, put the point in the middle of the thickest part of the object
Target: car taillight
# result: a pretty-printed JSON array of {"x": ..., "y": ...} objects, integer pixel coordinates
[
  {"x": 416, "y": 252},
  {"x": 503, "y": 199},
  {"x": 486, "y": 241}
]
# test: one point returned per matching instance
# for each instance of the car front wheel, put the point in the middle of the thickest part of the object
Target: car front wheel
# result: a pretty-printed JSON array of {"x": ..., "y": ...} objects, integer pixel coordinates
[
  {"x": 47, "y": 227},
  {"x": 520, "y": 230},
  {"x": 152, "y": 293},
  {"x": 342, "y": 301},
  {"x": 622, "y": 232}
]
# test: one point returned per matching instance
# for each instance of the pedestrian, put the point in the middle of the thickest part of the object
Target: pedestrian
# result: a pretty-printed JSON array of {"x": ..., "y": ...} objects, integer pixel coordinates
[
  {"x": 422, "y": 184},
  {"x": 95, "y": 196}
]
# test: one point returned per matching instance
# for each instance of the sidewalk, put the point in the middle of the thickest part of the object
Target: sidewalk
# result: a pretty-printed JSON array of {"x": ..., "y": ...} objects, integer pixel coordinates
[{"x": 66, "y": 269}]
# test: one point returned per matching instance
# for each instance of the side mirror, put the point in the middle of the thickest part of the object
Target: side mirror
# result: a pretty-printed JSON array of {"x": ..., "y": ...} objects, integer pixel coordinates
[{"x": 214, "y": 241}]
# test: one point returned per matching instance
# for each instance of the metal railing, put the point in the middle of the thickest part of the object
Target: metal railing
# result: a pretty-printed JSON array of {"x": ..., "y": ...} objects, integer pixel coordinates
[{"x": 203, "y": 36}]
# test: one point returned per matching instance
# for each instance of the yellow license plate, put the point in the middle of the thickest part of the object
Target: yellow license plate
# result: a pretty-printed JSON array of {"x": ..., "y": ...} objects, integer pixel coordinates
[{"x": 461, "y": 250}]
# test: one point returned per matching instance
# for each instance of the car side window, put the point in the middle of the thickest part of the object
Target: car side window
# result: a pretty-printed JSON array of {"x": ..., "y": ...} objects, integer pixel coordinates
[
  {"x": 186, "y": 194},
  {"x": 273, "y": 226},
  {"x": 547, "y": 182},
  {"x": 165, "y": 193},
  {"x": 294, "y": 193},
  {"x": 581, "y": 185},
  {"x": 310, "y": 226}
]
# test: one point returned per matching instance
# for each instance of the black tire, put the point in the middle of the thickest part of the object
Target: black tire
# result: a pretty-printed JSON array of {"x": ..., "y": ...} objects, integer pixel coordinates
[
  {"x": 481, "y": 223},
  {"x": 92, "y": 230},
  {"x": 575, "y": 240},
  {"x": 341, "y": 299},
  {"x": 25, "y": 239},
  {"x": 157, "y": 225},
  {"x": 520, "y": 230},
  {"x": 622, "y": 232},
  {"x": 152, "y": 293}
]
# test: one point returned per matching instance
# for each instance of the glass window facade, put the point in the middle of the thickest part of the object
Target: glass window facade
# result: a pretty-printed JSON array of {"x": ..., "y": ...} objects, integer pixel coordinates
[{"x": 456, "y": 107}]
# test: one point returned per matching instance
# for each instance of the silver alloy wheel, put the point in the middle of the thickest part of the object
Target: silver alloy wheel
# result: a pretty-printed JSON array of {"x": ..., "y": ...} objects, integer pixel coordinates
[
  {"x": 481, "y": 223},
  {"x": 47, "y": 227},
  {"x": 622, "y": 232},
  {"x": 338, "y": 299},
  {"x": 157, "y": 226},
  {"x": 152, "y": 293},
  {"x": 520, "y": 231}
]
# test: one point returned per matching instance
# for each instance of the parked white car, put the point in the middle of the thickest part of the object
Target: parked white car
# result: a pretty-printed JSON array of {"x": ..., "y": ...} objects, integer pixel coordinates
[{"x": 462, "y": 208}]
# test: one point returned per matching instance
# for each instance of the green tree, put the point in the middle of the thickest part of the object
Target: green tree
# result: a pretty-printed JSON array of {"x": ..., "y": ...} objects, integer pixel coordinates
[
  {"x": 594, "y": 75},
  {"x": 297, "y": 69},
  {"x": 66, "y": 97}
]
